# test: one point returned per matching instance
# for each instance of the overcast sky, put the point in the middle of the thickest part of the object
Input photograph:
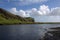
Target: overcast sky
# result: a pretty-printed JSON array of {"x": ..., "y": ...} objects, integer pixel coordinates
[{"x": 40, "y": 10}]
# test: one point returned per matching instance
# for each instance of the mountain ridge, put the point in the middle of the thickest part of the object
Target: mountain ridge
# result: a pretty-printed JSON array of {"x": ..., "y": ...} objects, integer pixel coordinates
[{"x": 7, "y": 17}]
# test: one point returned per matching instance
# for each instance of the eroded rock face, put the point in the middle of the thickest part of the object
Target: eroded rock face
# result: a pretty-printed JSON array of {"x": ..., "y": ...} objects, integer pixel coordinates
[{"x": 52, "y": 35}]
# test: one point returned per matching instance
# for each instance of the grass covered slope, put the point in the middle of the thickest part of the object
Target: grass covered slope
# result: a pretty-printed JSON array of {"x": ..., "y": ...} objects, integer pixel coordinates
[{"x": 9, "y": 18}]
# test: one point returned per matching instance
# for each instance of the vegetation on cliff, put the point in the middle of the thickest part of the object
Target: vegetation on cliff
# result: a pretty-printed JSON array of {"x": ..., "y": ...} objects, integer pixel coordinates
[{"x": 9, "y": 18}]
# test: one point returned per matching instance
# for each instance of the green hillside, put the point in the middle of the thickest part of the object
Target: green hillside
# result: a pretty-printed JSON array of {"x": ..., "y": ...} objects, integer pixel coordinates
[{"x": 9, "y": 18}]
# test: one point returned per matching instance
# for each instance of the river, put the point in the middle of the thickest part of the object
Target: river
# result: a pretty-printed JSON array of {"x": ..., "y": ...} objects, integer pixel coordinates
[{"x": 24, "y": 31}]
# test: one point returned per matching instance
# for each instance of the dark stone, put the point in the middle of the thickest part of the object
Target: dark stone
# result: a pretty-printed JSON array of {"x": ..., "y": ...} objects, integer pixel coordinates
[{"x": 52, "y": 35}]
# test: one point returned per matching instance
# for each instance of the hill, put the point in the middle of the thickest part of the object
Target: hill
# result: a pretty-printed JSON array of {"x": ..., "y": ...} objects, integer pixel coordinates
[{"x": 8, "y": 18}]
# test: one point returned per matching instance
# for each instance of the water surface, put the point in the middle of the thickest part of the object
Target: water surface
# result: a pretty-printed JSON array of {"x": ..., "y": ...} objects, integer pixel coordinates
[{"x": 24, "y": 32}]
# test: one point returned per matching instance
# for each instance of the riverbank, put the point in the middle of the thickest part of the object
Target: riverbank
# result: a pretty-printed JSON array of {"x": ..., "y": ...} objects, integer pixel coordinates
[{"x": 19, "y": 22}]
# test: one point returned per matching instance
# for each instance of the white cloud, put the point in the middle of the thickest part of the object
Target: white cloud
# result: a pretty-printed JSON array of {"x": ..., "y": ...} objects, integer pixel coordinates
[
  {"x": 21, "y": 13},
  {"x": 55, "y": 11},
  {"x": 43, "y": 10},
  {"x": 48, "y": 19},
  {"x": 33, "y": 12},
  {"x": 13, "y": 10},
  {"x": 27, "y": 2}
]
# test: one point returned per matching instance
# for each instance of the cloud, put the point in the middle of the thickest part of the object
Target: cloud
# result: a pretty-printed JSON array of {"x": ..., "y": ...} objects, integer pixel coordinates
[
  {"x": 41, "y": 11},
  {"x": 44, "y": 9},
  {"x": 21, "y": 13},
  {"x": 34, "y": 12},
  {"x": 27, "y": 2},
  {"x": 48, "y": 19},
  {"x": 51, "y": 14},
  {"x": 55, "y": 11},
  {"x": 14, "y": 11}
]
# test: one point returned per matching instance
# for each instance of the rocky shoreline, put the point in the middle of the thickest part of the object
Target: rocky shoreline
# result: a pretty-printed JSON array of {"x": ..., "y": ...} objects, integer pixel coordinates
[{"x": 52, "y": 35}]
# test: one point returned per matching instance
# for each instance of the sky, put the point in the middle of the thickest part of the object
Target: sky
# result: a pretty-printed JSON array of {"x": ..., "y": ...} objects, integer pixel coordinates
[{"x": 40, "y": 10}]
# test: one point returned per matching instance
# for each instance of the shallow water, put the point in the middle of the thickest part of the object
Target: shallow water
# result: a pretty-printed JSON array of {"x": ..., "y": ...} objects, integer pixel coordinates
[{"x": 24, "y": 32}]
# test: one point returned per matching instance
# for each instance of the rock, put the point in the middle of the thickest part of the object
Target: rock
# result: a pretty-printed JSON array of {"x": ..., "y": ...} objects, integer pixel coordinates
[{"x": 52, "y": 35}]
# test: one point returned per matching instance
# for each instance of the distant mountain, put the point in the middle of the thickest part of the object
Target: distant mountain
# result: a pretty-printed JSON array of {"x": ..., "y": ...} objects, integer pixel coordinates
[{"x": 8, "y": 18}]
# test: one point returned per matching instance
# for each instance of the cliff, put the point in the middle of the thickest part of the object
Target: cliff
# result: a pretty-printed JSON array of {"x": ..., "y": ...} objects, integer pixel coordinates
[{"x": 8, "y": 18}]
